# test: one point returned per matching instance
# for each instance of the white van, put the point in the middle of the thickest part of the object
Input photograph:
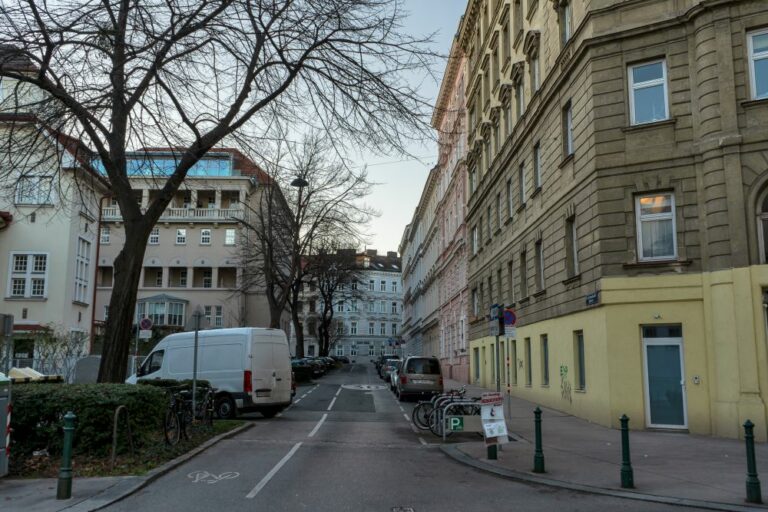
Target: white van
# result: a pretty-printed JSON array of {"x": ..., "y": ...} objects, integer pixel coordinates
[{"x": 249, "y": 367}]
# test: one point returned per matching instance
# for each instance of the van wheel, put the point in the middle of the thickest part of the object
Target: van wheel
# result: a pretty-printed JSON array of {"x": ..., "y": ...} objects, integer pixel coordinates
[
  {"x": 226, "y": 408},
  {"x": 270, "y": 412}
]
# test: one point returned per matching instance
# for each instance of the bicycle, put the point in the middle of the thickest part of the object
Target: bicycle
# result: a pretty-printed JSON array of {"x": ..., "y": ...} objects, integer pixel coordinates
[
  {"x": 421, "y": 413},
  {"x": 175, "y": 425}
]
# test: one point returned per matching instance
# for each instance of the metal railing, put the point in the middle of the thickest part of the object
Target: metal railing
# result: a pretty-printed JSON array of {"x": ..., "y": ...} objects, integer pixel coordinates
[{"x": 185, "y": 214}]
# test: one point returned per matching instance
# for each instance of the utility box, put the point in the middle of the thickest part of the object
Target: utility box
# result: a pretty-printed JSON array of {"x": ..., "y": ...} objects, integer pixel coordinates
[{"x": 5, "y": 423}]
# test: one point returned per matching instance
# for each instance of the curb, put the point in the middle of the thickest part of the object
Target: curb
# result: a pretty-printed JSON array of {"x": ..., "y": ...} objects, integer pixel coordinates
[
  {"x": 453, "y": 452},
  {"x": 130, "y": 485}
]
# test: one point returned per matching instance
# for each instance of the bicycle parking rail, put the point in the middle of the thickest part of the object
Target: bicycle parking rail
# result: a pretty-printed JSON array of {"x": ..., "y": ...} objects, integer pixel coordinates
[{"x": 442, "y": 413}]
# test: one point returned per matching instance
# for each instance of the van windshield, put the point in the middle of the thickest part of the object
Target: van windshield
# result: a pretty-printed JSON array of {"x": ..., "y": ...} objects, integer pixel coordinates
[{"x": 423, "y": 366}]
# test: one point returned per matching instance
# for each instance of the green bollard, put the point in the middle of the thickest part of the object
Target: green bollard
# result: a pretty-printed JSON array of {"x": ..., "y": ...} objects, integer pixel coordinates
[
  {"x": 627, "y": 477},
  {"x": 64, "y": 488},
  {"x": 753, "y": 483},
  {"x": 492, "y": 452},
  {"x": 538, "y": 457}
]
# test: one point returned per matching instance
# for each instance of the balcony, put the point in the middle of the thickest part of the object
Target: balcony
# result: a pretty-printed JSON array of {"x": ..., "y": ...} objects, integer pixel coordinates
[{"x": 112, "y": 214}]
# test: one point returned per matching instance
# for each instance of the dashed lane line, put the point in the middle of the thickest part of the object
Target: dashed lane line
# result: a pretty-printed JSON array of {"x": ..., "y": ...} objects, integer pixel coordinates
[
  {"x": 331, "y": 405},
  {"x": 317, "y": 427},
  {"x": 272, "y": 472},
  {"x": 422, "y": 441},
  {"x": 339, "y": 391}
]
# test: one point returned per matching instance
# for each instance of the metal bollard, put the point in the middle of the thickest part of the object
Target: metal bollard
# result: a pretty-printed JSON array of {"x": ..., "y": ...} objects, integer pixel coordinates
[
  {"x": 64, "y": 487},
  {"x": 538, "y": 457},
  {"x": 492, "y": 452},
  {"x": 753, "y": 483},
  {"x": 627, "y": 477}
]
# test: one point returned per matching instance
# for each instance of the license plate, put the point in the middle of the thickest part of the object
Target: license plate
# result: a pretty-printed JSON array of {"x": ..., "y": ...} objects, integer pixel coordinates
[{"x": 418, "y": 381}]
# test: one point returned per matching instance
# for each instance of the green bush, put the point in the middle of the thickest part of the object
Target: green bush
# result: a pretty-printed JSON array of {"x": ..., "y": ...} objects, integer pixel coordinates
[
  {"x": 39, "y": 409},
  {"x": 171, "y": 383}
]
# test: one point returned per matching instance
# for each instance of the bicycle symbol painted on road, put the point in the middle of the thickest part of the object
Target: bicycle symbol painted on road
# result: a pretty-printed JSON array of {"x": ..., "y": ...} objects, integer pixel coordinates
[{"x": 210, "y": 478}]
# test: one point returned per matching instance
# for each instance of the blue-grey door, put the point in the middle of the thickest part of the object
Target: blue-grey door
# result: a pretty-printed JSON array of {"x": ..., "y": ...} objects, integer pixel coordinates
[{"x": 665, "y": 382}]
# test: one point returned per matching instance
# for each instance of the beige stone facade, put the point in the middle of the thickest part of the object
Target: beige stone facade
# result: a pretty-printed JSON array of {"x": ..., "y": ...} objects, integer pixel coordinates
[{"x": 612, "y": 144}]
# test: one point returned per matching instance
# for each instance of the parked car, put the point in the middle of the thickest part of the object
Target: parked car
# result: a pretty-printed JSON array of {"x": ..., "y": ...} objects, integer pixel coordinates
[
  {"x": 380, "y": 363},
  {"x": 386, "y": 368},
  {"x": 341, "y": 359},
  {"x": 419, "y": 376},
  {"x": 250, "y": 368},
  {"x": 302, "y": 369},
  {"x": 393, "y": 375}
]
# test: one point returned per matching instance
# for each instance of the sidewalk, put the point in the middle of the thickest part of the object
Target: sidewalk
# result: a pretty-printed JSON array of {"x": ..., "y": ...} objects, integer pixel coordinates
[{"x": 587, "y": 456}]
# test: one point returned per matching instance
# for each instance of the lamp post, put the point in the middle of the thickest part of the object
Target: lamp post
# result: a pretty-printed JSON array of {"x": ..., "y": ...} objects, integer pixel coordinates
[{"x": 299, "y": 183}]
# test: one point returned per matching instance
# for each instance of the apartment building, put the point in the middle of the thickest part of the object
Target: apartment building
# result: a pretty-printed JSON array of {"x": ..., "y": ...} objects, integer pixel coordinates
[
  {"x": 367, "y": 311},
  {"x": 194, "y": 253},
  {"x": 617, "y": 200},
  {"x": 420, "y": 247}
]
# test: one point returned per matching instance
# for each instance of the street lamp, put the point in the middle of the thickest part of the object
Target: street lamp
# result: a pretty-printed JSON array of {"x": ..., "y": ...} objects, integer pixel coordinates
[{"x": 300, "y": 183}]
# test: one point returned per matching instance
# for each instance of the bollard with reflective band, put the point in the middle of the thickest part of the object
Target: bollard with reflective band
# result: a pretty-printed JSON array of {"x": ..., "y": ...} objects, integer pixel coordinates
[
  {"x": 538, "y": 457},
  {"x": 64, "y": 487},
  {"x": 627, "y": 476},
  {"x": 753, "y": 483}
]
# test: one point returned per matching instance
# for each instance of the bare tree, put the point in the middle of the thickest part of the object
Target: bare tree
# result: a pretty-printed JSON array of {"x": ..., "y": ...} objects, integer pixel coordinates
[
  {"x": 122, "y": 75},
  {"x": 314, "y": 197}
]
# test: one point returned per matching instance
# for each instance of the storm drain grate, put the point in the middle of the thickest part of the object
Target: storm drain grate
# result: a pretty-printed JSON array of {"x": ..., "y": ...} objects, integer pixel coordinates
[{"x": 402, "y": 509}]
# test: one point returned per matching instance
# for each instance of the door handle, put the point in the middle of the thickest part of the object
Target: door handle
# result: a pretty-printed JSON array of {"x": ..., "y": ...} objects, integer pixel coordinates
[{"x": 278, "y": 379}]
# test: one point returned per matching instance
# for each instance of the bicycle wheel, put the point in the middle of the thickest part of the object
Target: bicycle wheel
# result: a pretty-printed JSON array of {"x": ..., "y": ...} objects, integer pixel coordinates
[
  {"x": 206, "y": 414},
  {"x": 171, "y": 427},
  {"x": 420, "y": 415}
]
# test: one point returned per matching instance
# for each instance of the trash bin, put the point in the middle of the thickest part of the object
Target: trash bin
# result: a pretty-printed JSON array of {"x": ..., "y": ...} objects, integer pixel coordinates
[{"x": 5, "y": 423}]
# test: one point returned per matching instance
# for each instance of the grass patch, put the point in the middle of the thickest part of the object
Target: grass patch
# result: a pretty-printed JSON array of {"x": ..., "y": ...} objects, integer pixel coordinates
[{"x": 155, "y": 453}]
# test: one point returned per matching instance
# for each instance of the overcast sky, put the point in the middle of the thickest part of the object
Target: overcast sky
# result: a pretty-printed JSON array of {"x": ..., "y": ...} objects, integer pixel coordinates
[{"x": 401, "y": 181}]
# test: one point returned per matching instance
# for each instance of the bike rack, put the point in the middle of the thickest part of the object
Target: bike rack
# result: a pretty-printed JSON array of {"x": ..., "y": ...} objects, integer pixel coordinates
[
  {"x": 443, "y": 412},
  {"x": 127, "y": 415}
]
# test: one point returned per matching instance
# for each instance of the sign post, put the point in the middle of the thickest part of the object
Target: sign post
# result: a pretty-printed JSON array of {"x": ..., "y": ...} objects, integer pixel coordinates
[
  {"x": 143, "y": 332},
  {"x": 7, "y": 334},
  {"x": 494, "y": 423},
  {"x": 198, "y": 315}
]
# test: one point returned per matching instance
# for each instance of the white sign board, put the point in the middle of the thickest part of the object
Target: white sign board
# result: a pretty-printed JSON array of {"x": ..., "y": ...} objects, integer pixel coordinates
[
  {"x": 497, "y": 429},
  {"x": 492, "y": 398},
  {"x": 510, "y": 332},
  {"x": 491, "y": 412},
  {"x": 492, "y": 416},
  {"x": 145, "y": 334}
]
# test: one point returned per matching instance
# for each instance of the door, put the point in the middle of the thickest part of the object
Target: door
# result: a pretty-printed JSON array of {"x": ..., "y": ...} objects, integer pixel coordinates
[{"x": 665, "y": 400}]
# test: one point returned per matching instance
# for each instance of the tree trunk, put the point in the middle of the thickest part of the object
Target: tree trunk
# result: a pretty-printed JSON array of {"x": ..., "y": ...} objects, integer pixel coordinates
[
  {"x": 122, "y": 305},
  {"x": 298, "y": 329}
]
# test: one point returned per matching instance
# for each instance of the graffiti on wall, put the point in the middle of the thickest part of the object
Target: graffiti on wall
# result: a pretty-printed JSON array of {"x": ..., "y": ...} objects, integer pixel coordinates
[{"x": 565, "y": 385}]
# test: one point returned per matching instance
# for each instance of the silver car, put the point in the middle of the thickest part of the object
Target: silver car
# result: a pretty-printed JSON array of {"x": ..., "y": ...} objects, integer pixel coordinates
[
  {"x": 419, "y": 376},
  {"x": 393, "y": 376}
]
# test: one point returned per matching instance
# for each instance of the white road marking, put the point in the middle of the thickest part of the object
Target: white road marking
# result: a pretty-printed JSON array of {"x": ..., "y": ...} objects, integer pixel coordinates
[
  {"x": 339, "y": 391},
  {"x": 401, "y": 408},
  {"x": 332, "y": 402},
  {"x": 406, "y": 417},
  {"x": 317, "y": 427},
  {"x": 278, "y": 415},
  {"x": 297, "y": 401},
  {"x": 422, "y": 441},
  {"x": 314, "y": 388},
  {"x": 272, "y": 472}
]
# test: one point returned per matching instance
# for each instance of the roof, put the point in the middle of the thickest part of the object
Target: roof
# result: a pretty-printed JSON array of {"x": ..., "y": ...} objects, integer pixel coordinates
[{"x": 240, "y": 162}]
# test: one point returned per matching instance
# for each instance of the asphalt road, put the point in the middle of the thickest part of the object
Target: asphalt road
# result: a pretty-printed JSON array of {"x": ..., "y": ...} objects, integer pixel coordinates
[{"x": 346, "y": 445}]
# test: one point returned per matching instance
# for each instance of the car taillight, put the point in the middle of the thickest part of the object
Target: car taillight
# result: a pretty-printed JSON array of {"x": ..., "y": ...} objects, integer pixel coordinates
[
  {"x": 403, "y": 379},
  {"x": 247, "y": 382}
]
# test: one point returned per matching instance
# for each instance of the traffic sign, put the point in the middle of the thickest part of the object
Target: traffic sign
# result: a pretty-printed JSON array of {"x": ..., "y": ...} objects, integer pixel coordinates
[
  {"x": 145, "y": 334},
  {"x": 456, "y": 423},
  {"x": 491, "y": 398},
  {"x": 145, "y": 324},
  {"x": 510, "y": 317}
]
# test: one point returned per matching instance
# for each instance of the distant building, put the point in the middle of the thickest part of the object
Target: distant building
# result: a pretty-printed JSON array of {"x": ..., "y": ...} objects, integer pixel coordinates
[{"x": 368, "y": 319}]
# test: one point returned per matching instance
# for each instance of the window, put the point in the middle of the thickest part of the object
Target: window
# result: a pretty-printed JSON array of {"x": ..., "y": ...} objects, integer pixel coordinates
[
  {"x": 505, "y": 42},
  {"x": 394, "y": 329},
  {"x": 340, "y": 306},
  {"x": 528, "y": 359},
  {"x": 34, "y": 190},
  {"x": 498, "y": 211},
  {"x": 82, "y": 270},
  {"x": 513, "y": 362},
  {"x": 340, "y": 328},
  {"x": 758, "y": 63},
  {"x": 394, "y": 308},
  {"x": 229, "y": 237},
  {"x": 176, "y": 313},
  {"x": 511, "y": 280},
  {"x": 382, "y": 329},
  {"x": 105, "y": 232},
  {"x": 489, "y": 219},
  {"x": 339, "y": 349},
  {"x": 393, "y": 286},
  {"x": 535, "y": 73},
  {"x": 491, "y": 296},
  {"x": 371, "y": 350},
  {"x": 207, "y": 278},
  {"x": 544, "y": 360},
  {"x": 353, "y": 328},
  {"x": 565, "y": 13},
  {"x": 353, "y": 305},
  {"x": 371, "y": 285},
  {"x": 158, "y": 278},
  {"x": 371, "y": 328},
  {"x": 183, "y": 278},
  {"x": 472, "y": 180},
  {"x": 519, "y": 98},
  {"x": 521, "y": 183},
  {"x": 487, "y": 147},
  {"x": 539, "y": 265},
  {"x": 537, "y": 166},
  {"x": 518, "y": 17},
  {"x": 371, "y": 307},
  {"x": 656, "y": 238},
  {"x": 29, "y": 275},
  {"x": 154, "y": 236},
  {"x": 354, "y": 284},
  {"x": 578, "y": 357},
  {"x": 523, "y": 276},
  {"x": 205, "y": 236},
  {"x": 648, "y": 92},
  {"x": 383, "y": 286},
  {"x": 510, "y": 205},
  {"x": 181, "y": 236},
  {"x": 475, "y": 241},
  {"x": 475, "y": 303},
  {"x": 382, "y": 306},
  {"x": 571, "y": 247},
  {"x": 567, "y": 130}
]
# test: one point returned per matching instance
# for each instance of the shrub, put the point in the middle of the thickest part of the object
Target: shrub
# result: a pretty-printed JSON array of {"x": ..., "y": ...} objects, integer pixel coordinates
[
  {"x": 171, "y": 383},
  {"x": 39, "y": 409}
]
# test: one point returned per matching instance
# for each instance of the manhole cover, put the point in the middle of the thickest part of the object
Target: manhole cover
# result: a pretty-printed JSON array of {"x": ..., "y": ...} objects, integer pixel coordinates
[
  {"x": 402, "y": 509},
  {"x": 364, "y": 387}
]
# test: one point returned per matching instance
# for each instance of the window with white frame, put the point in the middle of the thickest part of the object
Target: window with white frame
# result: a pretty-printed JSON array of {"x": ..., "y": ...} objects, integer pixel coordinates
[
  {"x": 154, "y": 236},
  {"x": 382, "y": 329},
  {"x": 521, "y": 183},
  {"x": 181, "y": 236},
  {"x": 510, "y": 204},
  {"x": 353, "y": 306},
  {"x": 519, "y": 98},
  {"x": 158, "y": 278},
  {"x": 571, "y": 247},
  {"x": 353, "y": 350},
  {"x": 648, "y": 92},
  {"x": 475, "y": 303},
  {"x": 566, "y": 21},
  {"x": 383, "y": 286},
  {"x": 353, "y": 328},
  {"x": 537, "y": 166},
  {"x": 183, "y": 277},
  {"x": 475, "y": 240},
  {"x": 82, "y": 269},
  {"x": 371, "y": 350},
  {"x": 567, "y": 130},
  {"x": 394, "y": 329},
  {"x": 207, "y": 278},
  {"x": 393, "y": 286},
  {"x": 371, "y": 285},
  {"x": 218, "y": 317},
  {"x": 229, "y": 237},
  {"x": 339, "y": 349},
  {"x": 105, "y": 235},
  {"x": 371, "y": 328},
  {"x": 176, "y": 313},
  {"x": 205, "y": 237},
  {"x": 340, "y": 306},
  {"x": 394, "y": 308},
  {"x": 34, "y": 190},
  {"x": 28, "y": 275},
  {"x": 535, "y": 73},
  {"x": 339, "y": 328},
  {"x": 757, "y": 43},
  {"x": 371, "y": 306},
  {"x": 656, "y": 237}
]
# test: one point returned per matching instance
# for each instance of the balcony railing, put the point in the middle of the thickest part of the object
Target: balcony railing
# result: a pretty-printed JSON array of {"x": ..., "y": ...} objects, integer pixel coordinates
[{"x": 185, "y": 214}]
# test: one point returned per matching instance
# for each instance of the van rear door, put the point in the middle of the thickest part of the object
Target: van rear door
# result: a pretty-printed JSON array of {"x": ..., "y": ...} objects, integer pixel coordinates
[
  {"x": 262, "y": 370},
  {"x": 282, "y": 363}
]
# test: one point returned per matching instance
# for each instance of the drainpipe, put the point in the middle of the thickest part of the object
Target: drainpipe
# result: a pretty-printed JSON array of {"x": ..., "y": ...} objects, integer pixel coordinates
[{"x": 95, "y": 284}]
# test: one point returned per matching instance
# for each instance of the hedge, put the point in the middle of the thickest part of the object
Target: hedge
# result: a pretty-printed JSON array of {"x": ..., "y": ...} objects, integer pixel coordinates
[
  {"x": 178, "y": 384},
  {"x": 39, "y": 409}
]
